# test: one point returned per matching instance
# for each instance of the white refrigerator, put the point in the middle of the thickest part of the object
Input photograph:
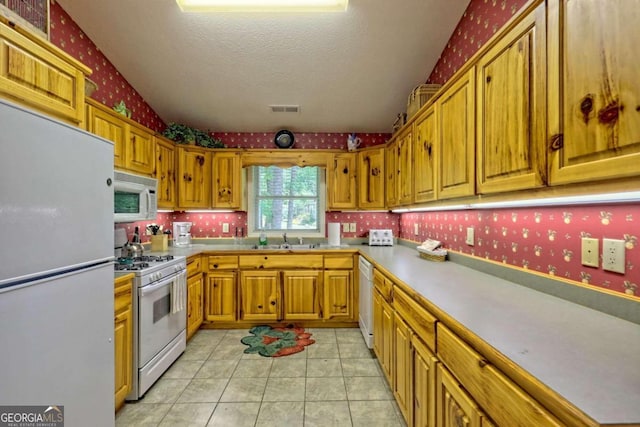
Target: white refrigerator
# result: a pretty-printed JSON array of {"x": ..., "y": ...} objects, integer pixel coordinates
[{"x": 56, "y": 268}]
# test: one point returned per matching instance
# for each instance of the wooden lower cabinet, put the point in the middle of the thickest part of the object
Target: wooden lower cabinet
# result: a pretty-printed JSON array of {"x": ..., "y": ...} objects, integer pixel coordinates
[
  {"x": 301, "y": 294},
  {"x": 339, "y": 299},
  {"x": 123, "y": 338},
  {"x": 424, "y": 384},
  {"x": 403, "y": 368},
  {"x": 220, "y": 296},
  {"x": 454, "y": 407},
  {"x": 383, "y": 335},
  {"x": 260, "y": 295},
  {"x": 195, "y": 288}
]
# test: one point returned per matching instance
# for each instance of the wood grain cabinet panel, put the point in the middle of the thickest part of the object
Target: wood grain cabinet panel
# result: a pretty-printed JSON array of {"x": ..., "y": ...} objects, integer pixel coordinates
[
  {"x": 227, "y": 180},
  {"x": 371, "y": 177},
  {"x": 594, "y": 95},
  {"x": 194, "y": 178},
  {"x": 341, "y": 182},
  {"x": 140, "y": 150},
  {"x": 195, "y": 301},
  {"x": 260, "y": 297},
  {"x": 403, "y": 368},
  {"x": 165, "y": 173},
  {"x": 383, "y": 336},
  {"x": 220, "y": 296},
  {"x": 338, "y": 295},
  {"x": 456, "y": 130},
  {"x": 424, "y": 384},
  {"x": 454, "y": 407},
  {"x": 391, "y": 171},
  {"x": 109, "y": 127},
  {"x": 405, "y": 174},
  {"x": 123, "y": 338},
  {"x": 425, "y": 145},
  {"x": 511, "y": 109},
  {"x": 301, "y": 294}
]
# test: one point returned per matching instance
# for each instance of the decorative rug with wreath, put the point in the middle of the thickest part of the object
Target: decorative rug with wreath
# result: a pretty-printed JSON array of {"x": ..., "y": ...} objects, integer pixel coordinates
[{"x": 276, "y": 342}]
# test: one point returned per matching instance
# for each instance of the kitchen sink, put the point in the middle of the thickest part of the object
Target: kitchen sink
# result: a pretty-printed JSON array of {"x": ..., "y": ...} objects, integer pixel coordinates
[{"x": 287, "y": 246}]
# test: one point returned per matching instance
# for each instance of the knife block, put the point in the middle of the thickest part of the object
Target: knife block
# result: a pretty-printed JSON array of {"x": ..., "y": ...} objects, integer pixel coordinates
[{"x": 159, "y": 243}]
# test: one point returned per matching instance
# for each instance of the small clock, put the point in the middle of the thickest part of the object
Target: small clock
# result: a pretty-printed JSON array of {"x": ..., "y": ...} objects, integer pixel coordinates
[{"x": 284, "y": 139}]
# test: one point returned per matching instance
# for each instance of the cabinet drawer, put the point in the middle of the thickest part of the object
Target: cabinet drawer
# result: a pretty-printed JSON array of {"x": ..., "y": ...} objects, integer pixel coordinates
[
  {"x": 280, "y": 261},
  {"x": 383, "y": 285},
  {"x": 504, "y": 401},
  {"x": 337, "y": 262},
  {"x": 420, "y": 320},
  {"x": 193, "y": 266},
  {"x": 122, "y": 285},
  {"x": 222, "y": 262}
]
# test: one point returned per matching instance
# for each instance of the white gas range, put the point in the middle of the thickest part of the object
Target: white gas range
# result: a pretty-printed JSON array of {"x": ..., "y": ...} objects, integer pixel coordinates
[{"x": 159, "y": 316}]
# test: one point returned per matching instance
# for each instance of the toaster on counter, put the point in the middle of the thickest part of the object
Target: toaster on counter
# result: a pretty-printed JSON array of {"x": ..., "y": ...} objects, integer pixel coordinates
[{"x": 382, "y": 237}]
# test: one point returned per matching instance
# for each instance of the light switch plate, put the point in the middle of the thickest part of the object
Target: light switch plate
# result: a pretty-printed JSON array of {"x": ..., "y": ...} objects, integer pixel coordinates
[
  {"x": 613, "y": 255},
  {"x": 352, "y": 227},
  {"x": 345, "y": 227},
  {"x": 416, "y": 229},
  {"x": 590, "y": 251},
  {"x": 225, "y": 227}
]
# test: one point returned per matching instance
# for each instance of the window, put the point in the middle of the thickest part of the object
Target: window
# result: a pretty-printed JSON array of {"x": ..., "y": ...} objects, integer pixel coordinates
[{"x": 286, "y": 200}]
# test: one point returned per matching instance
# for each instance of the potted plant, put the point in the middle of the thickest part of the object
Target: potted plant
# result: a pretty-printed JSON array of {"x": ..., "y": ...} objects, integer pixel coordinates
[{"x": 183, "y": 134}]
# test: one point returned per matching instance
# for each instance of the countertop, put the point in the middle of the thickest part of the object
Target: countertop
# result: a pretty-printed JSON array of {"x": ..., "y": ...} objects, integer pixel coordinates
[{"x": 590, "y": 358}]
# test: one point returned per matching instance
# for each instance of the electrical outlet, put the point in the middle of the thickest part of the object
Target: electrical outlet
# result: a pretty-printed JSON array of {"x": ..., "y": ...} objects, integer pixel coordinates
[
  {"x": 590, "y": 251},
  {"x": 225, "y": 227},
  {"x": 345, "y": 227},
  {"x": 470, "y": 236},
  {"x": 613, "y": 255},
  {"x": 416, "y": 229},
  {"x": 352, "y": 227}
]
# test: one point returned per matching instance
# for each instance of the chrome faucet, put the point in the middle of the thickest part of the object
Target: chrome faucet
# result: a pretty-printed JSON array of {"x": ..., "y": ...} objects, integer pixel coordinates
[
  {"x": 300, "y": 240},
  {"x": 284, "y": 237}
]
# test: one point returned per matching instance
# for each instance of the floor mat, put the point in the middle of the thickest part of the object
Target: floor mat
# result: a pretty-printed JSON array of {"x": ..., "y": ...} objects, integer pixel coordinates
[{"x": 276, "y": 342}]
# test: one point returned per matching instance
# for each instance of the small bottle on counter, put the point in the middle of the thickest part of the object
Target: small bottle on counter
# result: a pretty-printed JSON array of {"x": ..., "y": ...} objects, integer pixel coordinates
[{"x": 262, "y": 240}]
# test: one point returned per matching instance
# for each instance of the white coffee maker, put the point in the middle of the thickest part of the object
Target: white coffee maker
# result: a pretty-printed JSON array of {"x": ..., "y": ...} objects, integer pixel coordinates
[{"x": 182, "y": 233}]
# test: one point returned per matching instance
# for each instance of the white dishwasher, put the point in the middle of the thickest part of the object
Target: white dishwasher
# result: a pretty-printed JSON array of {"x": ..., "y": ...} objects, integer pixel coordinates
[{"x": 366, "y": 300}]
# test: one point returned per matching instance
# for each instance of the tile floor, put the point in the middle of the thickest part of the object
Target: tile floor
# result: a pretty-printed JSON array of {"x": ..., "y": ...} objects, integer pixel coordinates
[{"x": 334, "y": 382}]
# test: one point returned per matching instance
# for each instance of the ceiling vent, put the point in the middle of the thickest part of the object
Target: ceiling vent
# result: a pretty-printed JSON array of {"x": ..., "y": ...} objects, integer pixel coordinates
[{"x": 284, "y": 108}]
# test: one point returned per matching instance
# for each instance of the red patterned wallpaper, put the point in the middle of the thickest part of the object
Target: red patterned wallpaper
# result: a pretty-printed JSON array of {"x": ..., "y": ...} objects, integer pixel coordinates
[
  {"x": 112, "y": 86},
  {"x": 479, "y": 22},
  {"x": 546, "y": 240},
  {"x": 312, "y": 140}
]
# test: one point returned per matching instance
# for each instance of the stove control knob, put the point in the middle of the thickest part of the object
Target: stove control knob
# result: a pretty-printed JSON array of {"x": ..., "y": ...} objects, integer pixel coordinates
[{"x": 160, "y": 275}]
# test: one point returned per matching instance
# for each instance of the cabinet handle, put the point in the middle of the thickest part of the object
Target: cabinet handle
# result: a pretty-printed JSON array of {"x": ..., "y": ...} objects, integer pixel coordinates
[
  {"x": 345, "y": 170},
  {"x": 273, "y": 303},
  {"x": 260, "y": 307},
  {"x": 557, "y": 142},
  {"x": 215, "y": 265},
  {"x": 482, "y": 363},
  {"x": 488, "y": 79}
]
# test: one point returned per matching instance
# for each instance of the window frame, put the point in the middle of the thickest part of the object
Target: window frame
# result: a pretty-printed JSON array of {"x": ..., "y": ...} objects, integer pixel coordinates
[{"x": 293, "y": 233}]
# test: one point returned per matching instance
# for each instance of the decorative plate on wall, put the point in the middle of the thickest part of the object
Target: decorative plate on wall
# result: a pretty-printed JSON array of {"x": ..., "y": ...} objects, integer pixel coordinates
[{"x": 284, "y": 139}]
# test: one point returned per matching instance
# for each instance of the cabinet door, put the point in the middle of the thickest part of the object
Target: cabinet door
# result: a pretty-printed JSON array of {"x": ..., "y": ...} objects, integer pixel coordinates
[
  {"x": 227, "y": 180},
  {"x": 338, "y": 295},
  {"x": 194, "y": 303},
  {"x": 341, "y": 182},
  {"x": 140, "y": 151},
  {"x": 424, "y": 155},
  {"x": 403, "y": 368},
  {"x": 405, "y": 173},
  {"x": 424, "y": 385},
  {"x": 454, "y": 406},
  {"x": 301, "y": 294},
  {"x": 456, "y": 130},
  {"x": 109, "y": 127},
  {"x": 220, "y": 296},
  {"x": 122, "y": 343},
  {"x": 166, "y": 174},
  {"x": 391, "y": 170},
  {"x": 260, "y": 295},
  {"x": 371, "y": 176},
  {"x": 594, "y": 95},
  {"x": 511, "y": 115},
  {"x": 383, "y": 334},
  {"x": 194, "y": 178}
]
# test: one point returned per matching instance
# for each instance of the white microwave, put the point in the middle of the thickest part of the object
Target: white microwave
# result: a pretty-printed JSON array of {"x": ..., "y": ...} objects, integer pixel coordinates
[{"x": 134, "y": 197}]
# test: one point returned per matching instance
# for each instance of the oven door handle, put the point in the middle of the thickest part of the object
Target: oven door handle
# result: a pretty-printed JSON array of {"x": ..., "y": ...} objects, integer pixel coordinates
[{"x": 150, "y": 289}]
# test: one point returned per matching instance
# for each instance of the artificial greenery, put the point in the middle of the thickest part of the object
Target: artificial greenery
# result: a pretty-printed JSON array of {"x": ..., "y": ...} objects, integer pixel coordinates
[{"x": 183, "y": 134}]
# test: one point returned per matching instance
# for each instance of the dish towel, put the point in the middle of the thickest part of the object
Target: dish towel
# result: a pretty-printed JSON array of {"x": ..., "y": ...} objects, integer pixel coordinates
[{"x": 178, "y": 293}]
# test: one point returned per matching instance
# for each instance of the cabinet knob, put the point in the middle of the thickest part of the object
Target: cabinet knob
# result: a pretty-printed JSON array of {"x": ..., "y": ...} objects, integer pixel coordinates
[
  {"x": 260, "y": 307},
  {"x": 482, "y": 363},
  {"x": 273, "y": 303},
  {"x": 215, "y": 265}
]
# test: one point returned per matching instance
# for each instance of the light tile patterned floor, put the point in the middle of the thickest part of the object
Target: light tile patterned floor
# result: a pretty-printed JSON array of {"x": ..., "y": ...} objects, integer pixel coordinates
[{"x": 335, "y": 382}]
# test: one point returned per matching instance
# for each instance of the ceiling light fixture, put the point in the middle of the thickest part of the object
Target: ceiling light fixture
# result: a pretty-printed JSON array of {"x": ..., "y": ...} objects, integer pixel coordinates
[{"x": 204, "y": 6}]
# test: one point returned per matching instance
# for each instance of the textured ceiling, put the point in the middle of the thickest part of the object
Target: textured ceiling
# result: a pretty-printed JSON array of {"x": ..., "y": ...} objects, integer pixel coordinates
[{"x": 347, "y": 71}]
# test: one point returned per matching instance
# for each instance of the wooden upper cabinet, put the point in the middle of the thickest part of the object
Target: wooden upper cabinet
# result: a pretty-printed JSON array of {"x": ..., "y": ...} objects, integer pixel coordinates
[
  {"x": 371, "y": 177},
  {"x": 405, "y": 163},
  {"x": 140, "y": 150},
  {"x": 35, "y": 73},
  {"x": 391, "y": 171},
  {"x": 227, "y": 180},
  {"x": 594, "y": 95},
  {"x": 108, "y": 126},
  {"x": 166, "y": 173},
  {"x": 456, "y": 130},
  {"x": 511, "y": 109},
  {"x": 341, "y": 182},
  {"x": 424, "y": 155},
  {"x": 194, "y": 177}
]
